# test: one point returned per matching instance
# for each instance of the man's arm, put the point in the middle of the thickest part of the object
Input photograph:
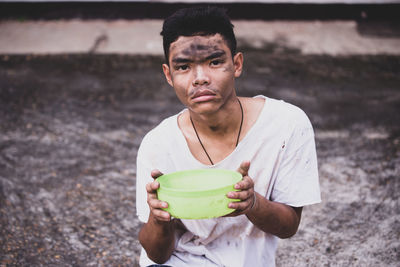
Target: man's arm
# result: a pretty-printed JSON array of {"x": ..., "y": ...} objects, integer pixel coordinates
[
  {"x": 275, "y": 218},
  {"x": 157, "y": 236},
  {"x": 271, "y": 217}
]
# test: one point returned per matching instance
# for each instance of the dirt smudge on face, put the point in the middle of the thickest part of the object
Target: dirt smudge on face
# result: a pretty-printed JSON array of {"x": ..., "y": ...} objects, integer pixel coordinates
[{"x": 196, "y": 48}]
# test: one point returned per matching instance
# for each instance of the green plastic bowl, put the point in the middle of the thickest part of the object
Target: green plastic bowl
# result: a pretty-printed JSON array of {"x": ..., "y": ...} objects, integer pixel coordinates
[{"x": 198, "y": 194}]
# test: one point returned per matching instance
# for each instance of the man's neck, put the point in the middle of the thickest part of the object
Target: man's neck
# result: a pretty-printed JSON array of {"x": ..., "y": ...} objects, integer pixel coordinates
[{"x": 220, "y": 123}]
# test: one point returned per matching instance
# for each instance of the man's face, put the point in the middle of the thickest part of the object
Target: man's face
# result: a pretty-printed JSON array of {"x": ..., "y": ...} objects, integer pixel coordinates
[{"x": 202, "y": 72}]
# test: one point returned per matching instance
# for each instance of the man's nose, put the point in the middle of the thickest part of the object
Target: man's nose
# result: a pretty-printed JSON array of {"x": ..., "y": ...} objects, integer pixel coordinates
[{"x": 201, "y": 76}]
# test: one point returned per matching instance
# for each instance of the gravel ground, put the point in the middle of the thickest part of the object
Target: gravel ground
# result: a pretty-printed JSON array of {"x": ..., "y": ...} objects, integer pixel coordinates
[{"x": 70, "y": 126}]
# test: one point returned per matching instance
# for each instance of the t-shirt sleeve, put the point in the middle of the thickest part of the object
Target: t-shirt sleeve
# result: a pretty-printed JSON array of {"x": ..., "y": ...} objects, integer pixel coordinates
[{"x": 297, "y": 182}]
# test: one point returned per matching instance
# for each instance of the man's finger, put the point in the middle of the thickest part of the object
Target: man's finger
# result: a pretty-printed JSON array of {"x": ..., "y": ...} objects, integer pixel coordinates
[
  {"x": 157, "y": 204},
  {"x": 152, "y": 187},
  {"x": 240, "y": 206},
  {"x": 245, "y": 184},
  {"x": 242, "y": 195},
  {"x": 161, "y": 215},
  {"x": 244, "y": 168},
  {"x": 156, "y": 173}
]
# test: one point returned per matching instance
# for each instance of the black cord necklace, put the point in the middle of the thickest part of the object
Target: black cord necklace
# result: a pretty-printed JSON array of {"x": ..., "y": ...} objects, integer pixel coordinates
[{"x": 237, "y": 140}]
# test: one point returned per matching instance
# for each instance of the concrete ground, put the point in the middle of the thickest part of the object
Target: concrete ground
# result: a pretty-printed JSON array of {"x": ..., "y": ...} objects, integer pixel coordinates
[{"x": 77, "y": 97}]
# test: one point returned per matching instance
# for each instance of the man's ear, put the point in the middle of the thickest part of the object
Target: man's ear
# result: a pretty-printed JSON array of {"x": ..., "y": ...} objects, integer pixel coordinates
[
  {"x": 238, "y": 64},
  {"x": 167, "y": 74}
]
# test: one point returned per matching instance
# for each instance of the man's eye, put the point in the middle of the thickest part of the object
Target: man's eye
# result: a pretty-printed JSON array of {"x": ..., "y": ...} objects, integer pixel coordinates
[
  {"x": 182, "y": 67},
  {"x": 215, "y": 62}
]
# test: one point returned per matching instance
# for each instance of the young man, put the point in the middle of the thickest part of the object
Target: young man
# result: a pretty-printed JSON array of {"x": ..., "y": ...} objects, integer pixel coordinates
[{"x": 270, "y": 142}]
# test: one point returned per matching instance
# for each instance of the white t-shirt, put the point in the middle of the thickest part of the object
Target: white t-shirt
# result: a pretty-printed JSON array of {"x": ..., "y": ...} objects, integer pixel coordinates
[{"x": 283, "y": 165}]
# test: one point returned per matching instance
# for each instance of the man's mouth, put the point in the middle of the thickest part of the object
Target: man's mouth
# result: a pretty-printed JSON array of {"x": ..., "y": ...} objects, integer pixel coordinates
[{"x": 203, "y": 95}]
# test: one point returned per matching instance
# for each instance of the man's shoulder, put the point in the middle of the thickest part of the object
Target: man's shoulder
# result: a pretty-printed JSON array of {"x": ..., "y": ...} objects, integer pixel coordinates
[
  {"x": 291, "y": 111},
  {"x": 294, "y": 119},
  {"x": 285, "y": 114},
  {"x": 279, "y": 108},
  {"x": 161, "y": 131}
]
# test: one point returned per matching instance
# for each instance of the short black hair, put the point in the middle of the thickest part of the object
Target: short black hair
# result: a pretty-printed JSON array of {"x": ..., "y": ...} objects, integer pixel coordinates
[{"x": 193, "y": 21}]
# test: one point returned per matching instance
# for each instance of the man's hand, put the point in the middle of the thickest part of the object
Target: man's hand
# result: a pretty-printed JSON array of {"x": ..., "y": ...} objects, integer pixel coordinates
[
  {"x": 271, "y": 217},
  {"x": 154, "y": 203},
  {"x": 246, "y": 193},
  {"x": 157, "y": 236}
]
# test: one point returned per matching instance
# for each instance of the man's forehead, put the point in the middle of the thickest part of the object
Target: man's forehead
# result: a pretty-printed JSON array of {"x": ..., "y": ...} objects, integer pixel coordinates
[{"x": 195, "y": 45}]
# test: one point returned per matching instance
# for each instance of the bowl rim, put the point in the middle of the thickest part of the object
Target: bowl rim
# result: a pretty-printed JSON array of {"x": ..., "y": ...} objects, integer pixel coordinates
[{"x": 185, "y": 192}]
